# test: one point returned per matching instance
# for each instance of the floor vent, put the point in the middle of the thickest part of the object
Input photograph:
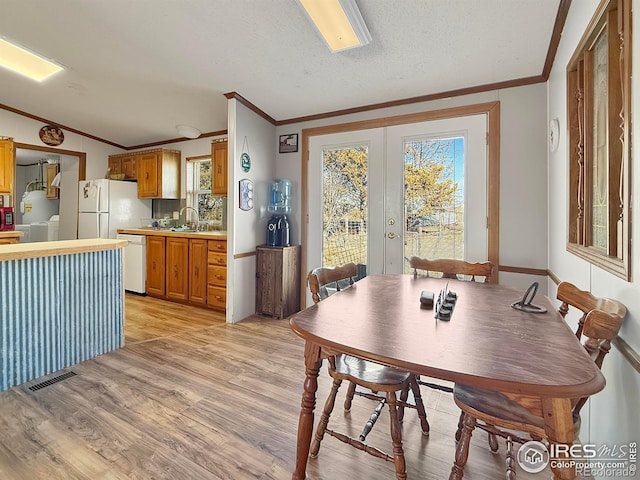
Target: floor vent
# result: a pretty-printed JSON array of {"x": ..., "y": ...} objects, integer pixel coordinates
[{"x": 51, "y": 381}]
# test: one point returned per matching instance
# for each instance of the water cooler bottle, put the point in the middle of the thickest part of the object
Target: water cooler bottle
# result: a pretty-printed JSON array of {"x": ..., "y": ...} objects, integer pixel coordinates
[{"x": 279, "y": 206}]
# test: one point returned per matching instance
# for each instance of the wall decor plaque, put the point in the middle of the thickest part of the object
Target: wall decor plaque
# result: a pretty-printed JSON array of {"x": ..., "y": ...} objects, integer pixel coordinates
[{"x": 51, "y": 135}]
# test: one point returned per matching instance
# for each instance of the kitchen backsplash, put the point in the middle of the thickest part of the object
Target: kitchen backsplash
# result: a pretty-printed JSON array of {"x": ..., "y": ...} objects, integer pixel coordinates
[{"x": 164, "y": 208}]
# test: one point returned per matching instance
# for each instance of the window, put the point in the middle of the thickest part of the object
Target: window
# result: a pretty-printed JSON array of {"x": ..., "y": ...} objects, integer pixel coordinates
[
  {"x": 209, "y": 207},
  {"x": 599, "y": 134}
]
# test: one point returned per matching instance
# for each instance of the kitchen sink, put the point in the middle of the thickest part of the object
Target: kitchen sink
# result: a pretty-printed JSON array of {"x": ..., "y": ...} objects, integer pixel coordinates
[{"x": 182, "y": 229}]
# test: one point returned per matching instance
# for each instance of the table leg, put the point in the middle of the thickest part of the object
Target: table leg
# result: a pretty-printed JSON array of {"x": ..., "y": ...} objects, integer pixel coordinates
[
  {"x": 312, "y": 362},
  {"x": 558, "y": 425}
]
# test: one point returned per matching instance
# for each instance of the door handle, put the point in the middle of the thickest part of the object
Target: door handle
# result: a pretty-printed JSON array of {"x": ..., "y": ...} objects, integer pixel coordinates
[{"x": 392, "y": 235}]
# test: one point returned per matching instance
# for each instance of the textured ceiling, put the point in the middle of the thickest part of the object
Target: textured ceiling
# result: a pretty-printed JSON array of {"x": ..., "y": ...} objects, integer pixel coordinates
[{"x": 136, "y": 69}]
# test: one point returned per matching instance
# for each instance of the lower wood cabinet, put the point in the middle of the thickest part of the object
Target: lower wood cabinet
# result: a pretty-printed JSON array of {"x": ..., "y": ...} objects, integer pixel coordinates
[
  {"x": 177, "y": 265},
  {"x": 188, "y": 270},
  {"x": 198, "y": 271},
  {"x": 277, "y": 280},
  {"x": 8, "y": 241},
  {"x": 155, "y": 266},
  {"x": 217, "y": 274}
]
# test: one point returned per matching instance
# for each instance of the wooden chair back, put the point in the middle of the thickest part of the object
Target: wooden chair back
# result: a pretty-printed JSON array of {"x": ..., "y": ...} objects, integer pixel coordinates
[
  {"x": 599, "y": 324},
  {"x": 572, "y": 296},
  {"x": 451, "y": 268},
  {"x": 319, "y": 278}
]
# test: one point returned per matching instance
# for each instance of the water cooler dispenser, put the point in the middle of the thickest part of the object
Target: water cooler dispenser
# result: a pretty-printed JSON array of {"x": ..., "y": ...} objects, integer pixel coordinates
[{"x": 279, "y": 206}]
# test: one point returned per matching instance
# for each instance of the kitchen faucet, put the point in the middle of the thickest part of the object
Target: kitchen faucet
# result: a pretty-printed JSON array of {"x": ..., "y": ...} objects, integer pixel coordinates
[{"x": 185, "y": 217}]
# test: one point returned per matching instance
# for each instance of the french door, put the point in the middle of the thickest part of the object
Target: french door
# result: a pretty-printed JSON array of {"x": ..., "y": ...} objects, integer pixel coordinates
[{"x": 386, "y": 194}]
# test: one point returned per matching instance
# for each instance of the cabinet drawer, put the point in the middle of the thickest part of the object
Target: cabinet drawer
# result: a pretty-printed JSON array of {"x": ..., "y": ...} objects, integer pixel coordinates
[
  {"x": 216, "y": 296},
  {"x": 217, "y": 276},
  {"x": 215, "y": 258},
  {"x": 217, "y": 245}
]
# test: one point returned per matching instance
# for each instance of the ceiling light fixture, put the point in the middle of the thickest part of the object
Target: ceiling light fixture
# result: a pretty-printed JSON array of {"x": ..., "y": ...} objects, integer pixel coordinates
[
  {"x": 339, "y": 22},
  {"x": 188, "y": 132},
  {"x": 25, "y": 62}
]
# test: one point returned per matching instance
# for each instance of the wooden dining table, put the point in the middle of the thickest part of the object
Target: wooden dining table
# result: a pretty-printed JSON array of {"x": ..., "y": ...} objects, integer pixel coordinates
[{"x": 486, "y": 343}]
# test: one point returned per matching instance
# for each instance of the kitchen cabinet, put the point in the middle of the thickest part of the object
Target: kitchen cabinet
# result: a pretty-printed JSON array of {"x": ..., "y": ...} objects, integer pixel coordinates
[
  {"x": 177, "y": 268},
  {"x": 186, "y": 268},
  {"x": 8, "y": 240},
  {"x": 219, "y": 163},
  {"x": 217, "y": 274},
  {"x": 52, "y": 171},
  {"x": 7, "y": 162},
  {"x": 277, "y": 280},
  {"x": 158, "y": 173},
  {"x": 155, "y": 266},
  {"x": 124, "y": 163},
  {"x": 198, "y": 271}
]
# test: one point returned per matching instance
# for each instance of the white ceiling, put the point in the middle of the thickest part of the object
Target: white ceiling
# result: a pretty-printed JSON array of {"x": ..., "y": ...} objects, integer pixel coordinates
[{"x": 137, "y": 68}]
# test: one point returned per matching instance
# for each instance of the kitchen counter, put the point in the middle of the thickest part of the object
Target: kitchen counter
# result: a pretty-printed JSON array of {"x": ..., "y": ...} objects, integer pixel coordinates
[
  {"x": 10, "y": 236},
  {"x": 61, "y": 247},
  {"x": 212, "y": 235}
]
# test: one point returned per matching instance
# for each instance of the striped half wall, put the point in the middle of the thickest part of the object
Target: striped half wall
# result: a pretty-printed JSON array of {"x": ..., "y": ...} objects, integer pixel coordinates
[{"x": 57, "y": 311}]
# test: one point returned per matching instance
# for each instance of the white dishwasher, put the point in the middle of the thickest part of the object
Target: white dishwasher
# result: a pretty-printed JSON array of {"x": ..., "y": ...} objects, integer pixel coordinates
[{"x": 135, "y": 262}]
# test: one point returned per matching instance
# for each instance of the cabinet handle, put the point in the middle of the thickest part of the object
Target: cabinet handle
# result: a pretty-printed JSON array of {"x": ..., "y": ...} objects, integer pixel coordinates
[
  {"x": 175, "y": 271},
  {"x": 154, "y": 265},
  {"x": 219, "y": 298},
  {"x": 197, "y": 272},
  {"x": 146, "y": 175},
  {"x": 219, "y": 277}
]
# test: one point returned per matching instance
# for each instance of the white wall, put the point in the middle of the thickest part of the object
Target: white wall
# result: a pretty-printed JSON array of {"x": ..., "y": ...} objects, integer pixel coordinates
[
  {"x": 25, "y": 130},
  {"x": 252, "y": 134},
  {"x": 523, "y": 172},
  {"x": 612, "y": 416}
]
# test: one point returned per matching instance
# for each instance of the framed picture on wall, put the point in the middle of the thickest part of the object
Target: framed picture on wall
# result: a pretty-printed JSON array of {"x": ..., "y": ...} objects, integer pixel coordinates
[{"x": 288, "y": 143}]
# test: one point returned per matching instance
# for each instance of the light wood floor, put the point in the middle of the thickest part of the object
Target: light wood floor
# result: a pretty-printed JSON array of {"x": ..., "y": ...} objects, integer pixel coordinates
[{"x": 190, "y": 397}]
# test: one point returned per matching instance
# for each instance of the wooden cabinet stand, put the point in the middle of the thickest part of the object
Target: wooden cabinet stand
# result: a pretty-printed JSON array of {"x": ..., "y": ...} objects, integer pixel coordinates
[{"x": 277, "y": 280}]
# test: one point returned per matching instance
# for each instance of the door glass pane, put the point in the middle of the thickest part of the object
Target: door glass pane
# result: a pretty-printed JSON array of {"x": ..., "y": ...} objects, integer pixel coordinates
[
  {"x": 345, "y": 202},
  {"x": 434, "y": 198}
]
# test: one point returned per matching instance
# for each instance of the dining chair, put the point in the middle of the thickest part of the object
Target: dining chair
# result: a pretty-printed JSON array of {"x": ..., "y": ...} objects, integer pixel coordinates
[
  {"x": 513, "y": 417},
  {"x": 451, "y": 268},
  {"x": 381, "y": 383},
  {"x": 454, "y": 269}
]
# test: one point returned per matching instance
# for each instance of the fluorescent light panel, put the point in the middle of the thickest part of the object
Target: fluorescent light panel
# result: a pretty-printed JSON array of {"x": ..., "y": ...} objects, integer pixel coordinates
[
  {"x": 26, "y": 63},
  {"x": 339, "y": 22}
]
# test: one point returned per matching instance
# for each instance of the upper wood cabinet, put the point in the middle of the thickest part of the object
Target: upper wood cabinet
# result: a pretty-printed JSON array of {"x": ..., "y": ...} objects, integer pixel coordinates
[
  {"x": 52, "y": 171},
  {"x": 219, "y": 163},
  {"x": 6, "y": 166},
  {"x": 158, "y": 173},
  {"x": 123, "y": 163}
]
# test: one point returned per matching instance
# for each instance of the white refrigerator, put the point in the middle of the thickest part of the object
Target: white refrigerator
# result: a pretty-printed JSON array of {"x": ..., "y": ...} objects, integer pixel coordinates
[{"x": 104, "y": 206}]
